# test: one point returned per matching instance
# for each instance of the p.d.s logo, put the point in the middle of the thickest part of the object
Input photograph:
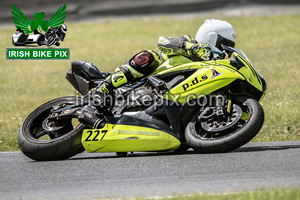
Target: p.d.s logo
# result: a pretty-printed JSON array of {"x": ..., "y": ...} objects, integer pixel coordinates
[{"x": 194, "y": 82}]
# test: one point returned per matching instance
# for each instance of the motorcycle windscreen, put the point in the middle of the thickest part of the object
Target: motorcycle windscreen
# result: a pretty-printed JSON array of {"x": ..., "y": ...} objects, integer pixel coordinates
[{"x": 127, "y": 138}]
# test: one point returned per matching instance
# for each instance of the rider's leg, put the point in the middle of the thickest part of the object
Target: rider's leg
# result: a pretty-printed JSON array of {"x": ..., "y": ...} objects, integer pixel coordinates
[{"x": 142, "y": 64}]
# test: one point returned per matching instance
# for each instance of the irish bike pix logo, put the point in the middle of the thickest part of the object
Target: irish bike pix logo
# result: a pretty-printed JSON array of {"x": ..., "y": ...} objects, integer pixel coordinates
[{"x": 38, "y": 32}]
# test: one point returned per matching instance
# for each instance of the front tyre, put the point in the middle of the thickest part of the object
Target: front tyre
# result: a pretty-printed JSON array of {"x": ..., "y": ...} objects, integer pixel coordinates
[
  {"x": 38, "y": 144},
  {"x": 233, "y": 137}
]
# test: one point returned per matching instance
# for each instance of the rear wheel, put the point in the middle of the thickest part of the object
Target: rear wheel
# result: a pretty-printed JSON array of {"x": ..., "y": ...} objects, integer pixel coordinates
[
  {"x": 38, "y": 143},
  {"x": 227, "y": 134}
]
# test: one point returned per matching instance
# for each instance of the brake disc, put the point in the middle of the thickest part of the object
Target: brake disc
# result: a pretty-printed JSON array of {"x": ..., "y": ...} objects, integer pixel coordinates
[{"x": 221, "y": 124}]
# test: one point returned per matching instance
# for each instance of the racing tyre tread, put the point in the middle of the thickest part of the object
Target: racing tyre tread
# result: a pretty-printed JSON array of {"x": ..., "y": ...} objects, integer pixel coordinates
[
  {"x": 59, "y": 148},
  {"x": 232, "y": 141}
]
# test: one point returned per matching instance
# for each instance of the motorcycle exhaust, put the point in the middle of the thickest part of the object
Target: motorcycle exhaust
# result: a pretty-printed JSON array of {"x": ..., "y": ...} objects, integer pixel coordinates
[{"x": 90, "y": 119}]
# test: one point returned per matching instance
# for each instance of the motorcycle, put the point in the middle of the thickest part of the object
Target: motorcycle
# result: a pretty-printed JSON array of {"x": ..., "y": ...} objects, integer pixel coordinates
[
  {"x": 21, "y": 39},
  {"x": 210, "y": 106}
]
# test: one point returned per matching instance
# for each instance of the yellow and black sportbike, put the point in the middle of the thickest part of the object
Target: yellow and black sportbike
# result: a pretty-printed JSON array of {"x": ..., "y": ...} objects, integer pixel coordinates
[{"x": 210, "y": 106}]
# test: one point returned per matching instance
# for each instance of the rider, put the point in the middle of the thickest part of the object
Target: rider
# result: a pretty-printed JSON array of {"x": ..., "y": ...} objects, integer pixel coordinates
[{"x": 211, "y": 34}]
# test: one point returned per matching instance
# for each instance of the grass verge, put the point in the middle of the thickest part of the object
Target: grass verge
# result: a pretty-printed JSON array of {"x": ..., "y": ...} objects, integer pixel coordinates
[
  {"x": 275, "y": 194},
  {"x": 271, "y": 42}
]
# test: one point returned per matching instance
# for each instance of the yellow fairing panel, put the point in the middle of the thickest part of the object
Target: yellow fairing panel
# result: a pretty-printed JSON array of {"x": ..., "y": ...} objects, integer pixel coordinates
[
  {"x": 250, "y": 74},
  {"x": 127, "y": 138},
  {"x": 203, "y": 82}
]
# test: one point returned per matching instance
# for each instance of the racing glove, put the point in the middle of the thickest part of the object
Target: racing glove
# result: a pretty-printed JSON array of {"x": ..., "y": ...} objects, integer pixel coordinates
[{"x": 201, "y": 50}]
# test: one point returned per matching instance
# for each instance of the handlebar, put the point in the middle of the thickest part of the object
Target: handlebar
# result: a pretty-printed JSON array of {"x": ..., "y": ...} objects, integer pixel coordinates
[{"x": 223, "y": 55}]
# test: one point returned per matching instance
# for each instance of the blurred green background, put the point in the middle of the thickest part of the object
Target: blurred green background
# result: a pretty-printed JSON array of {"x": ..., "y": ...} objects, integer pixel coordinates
[{"x": 271, "y": 43}]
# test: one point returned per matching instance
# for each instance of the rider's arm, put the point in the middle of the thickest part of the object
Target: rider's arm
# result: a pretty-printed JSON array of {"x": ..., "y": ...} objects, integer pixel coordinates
[
  {"x": 175, "y": 46},
  {"x": 183, "y": 45}
]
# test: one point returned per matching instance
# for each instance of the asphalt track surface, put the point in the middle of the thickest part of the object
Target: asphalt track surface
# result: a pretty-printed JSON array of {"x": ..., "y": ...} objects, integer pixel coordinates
[{"x": 85, "y": 176}]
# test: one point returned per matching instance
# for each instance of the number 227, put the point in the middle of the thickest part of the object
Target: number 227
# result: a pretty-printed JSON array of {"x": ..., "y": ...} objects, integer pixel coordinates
[{"x": 94, "y": 135}]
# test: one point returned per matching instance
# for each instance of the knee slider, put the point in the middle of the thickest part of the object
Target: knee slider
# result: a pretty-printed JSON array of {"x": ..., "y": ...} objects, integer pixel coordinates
[{"x": 145, "y": 62}]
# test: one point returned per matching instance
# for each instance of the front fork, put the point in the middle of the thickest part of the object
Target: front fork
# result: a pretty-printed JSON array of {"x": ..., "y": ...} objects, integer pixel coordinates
[
  {"x": 222, "y": 106},
  {"x": 220, "y": 116}
]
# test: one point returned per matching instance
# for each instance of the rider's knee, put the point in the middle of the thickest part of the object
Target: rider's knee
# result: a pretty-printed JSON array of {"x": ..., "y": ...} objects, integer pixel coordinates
[{"x": 145, "y": 62}]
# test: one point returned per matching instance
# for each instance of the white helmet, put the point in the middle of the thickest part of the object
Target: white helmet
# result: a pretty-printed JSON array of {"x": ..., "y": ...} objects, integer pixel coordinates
[{"x": 215, "y": 32}]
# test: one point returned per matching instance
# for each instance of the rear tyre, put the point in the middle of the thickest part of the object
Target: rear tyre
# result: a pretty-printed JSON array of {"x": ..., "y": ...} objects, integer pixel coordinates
[
  {"x": 59, "y": 145},
  {"x": 231, "y": 138}
]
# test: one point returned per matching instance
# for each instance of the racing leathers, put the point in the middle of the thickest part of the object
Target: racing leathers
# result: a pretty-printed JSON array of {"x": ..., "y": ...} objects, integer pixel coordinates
[
  {"x": 146, "y": 62},
  {"x": 140, "y": 65},
  {"x": 185, "y": 46}
]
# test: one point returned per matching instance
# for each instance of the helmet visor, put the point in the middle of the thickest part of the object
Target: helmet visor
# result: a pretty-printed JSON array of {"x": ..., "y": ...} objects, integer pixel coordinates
[{"x": 222, "y": 40}]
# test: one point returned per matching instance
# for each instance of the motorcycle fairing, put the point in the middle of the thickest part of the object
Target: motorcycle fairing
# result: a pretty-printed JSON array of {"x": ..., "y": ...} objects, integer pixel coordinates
[
  {"x": 172, "y": 62},
  {"x": 136, "y": 131},
  {"x": 250, "y": 73},
  {"x": 127, "y": 138},
  {"x": 168, "y": 111},
  {"x": 209, "y": 77}
]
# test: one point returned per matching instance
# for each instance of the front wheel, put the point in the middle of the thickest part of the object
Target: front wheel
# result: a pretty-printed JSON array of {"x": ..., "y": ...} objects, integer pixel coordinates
[
  {"x": 61, "y": 143},
  {"x": 219, "y": 136}
]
